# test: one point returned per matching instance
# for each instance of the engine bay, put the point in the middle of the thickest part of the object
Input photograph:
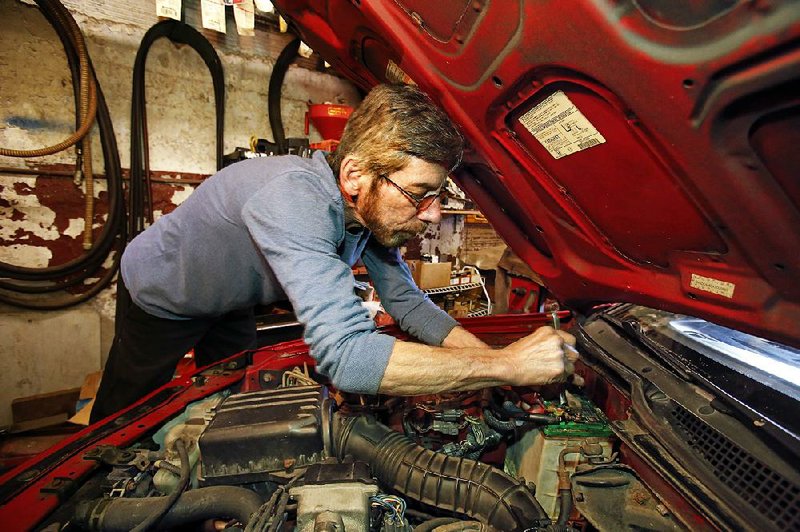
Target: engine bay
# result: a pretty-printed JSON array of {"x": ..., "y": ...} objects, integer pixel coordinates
[
  {"x": 289, "y": 452},
  {"x": 260, "y": 441},
  {"x": 499, "y": 459}
]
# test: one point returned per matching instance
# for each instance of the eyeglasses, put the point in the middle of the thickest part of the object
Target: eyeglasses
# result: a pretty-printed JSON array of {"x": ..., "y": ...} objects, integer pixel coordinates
[{"x": 422, "y": 203}]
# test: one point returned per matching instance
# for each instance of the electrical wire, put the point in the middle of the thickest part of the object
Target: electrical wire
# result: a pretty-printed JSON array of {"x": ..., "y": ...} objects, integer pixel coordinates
[
  {"x": 279, "y": 512},
  {"x": 482, "y": 281},
  {"x": 395, "y": 505},
  {"x": 277, "y": 503},
  {"x": 297, "y": 377}
]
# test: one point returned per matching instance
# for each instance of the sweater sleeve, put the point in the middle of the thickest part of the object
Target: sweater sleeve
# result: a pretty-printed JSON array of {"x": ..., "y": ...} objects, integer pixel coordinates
[
  {"x": 297, "y": 225},
  {"x": 413, "y": 311}
]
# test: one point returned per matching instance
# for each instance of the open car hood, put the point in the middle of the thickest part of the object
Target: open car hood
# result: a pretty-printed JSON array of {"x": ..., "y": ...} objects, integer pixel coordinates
[{"x": 640, "y": 151}]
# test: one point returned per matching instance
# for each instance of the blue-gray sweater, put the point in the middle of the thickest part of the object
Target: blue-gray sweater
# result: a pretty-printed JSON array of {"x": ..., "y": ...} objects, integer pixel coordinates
[{"x": 269, "y": 229}]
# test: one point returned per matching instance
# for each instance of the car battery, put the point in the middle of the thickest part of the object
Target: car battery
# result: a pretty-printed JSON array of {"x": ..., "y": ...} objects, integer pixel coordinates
[{"x": 535, "y": 456}]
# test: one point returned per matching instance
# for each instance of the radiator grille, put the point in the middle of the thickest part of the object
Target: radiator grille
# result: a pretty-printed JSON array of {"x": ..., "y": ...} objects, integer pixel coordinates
[{"x": 765, "y": 490}]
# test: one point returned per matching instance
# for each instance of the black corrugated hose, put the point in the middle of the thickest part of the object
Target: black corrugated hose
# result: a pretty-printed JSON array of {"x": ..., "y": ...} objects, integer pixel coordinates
[
  {"x": 46, "y": 288},
  {"x": 458, "y": 485},
  {"x": 140, "y": 193}
]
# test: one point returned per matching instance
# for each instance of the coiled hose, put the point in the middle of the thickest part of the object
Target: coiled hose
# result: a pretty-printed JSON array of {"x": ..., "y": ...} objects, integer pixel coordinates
[
  {"x": 45, "y": 288},
  {"x": 463, "y": 486},
  {"x": 86, "y": 82},
  {"x": 140, "y": 196},
  {"x": 286, "y": 58}
]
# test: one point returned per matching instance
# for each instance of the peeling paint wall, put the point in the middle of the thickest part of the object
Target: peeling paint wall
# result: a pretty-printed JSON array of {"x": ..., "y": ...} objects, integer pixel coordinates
[{"x": 41, "y": 217}]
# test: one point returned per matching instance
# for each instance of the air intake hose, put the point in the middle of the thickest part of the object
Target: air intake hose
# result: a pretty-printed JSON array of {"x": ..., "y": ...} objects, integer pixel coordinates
[{"x": 454, "y": 484}]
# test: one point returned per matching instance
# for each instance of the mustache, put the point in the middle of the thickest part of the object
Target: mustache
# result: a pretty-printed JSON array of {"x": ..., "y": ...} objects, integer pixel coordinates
[{"x": 415, "y": 226}]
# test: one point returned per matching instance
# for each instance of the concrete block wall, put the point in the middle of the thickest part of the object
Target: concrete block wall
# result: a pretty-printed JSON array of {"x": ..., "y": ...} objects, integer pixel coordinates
[{"x": 40, "y": 216}]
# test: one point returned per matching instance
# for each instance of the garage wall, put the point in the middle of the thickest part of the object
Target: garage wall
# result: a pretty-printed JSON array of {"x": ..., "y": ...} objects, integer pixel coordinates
[{"x": 41, "y": 216}]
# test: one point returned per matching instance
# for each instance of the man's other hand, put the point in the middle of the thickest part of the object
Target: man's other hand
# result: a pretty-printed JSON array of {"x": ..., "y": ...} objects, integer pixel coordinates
[{"x": 544, "y": 357}]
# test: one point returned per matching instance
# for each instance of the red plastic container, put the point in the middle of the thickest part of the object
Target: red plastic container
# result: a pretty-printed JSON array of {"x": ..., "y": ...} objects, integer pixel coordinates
[{"x": 328, "y": 119}]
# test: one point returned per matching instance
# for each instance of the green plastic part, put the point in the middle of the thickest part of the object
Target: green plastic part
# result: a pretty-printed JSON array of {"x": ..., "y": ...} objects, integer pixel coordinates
[
  {"x": 571, "y": 429},
  {"x": 590, "y": 423}
]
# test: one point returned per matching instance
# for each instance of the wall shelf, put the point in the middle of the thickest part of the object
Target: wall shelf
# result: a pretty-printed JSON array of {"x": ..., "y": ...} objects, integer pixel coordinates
[
  {"x": 451, "y": 288},
  {"x": 478, "y": 312}
]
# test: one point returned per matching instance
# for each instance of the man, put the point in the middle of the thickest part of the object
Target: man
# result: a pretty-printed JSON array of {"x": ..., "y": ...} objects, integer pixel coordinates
[{"x": 285, "y": 227}]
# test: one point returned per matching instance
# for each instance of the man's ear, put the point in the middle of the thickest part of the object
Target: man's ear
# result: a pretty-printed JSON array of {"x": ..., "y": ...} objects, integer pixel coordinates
[{"x": 351, "y": 179}]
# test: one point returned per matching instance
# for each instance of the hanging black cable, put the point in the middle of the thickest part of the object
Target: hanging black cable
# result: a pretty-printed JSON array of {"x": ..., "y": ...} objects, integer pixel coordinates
[
  {"x": 286, "y": 58},
  {"x": 36, "y": 287},
  {"x": 140, "y": 191}
]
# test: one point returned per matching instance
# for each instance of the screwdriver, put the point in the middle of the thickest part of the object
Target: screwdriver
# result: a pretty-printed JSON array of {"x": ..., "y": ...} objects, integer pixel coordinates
[
  {"x": 576, "y": 379},
  {"x": 557, "y": 324}
]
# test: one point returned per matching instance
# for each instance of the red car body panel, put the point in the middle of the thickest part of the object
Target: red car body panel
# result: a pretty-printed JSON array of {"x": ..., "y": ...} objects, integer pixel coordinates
[{"x": 692, "y": 203}]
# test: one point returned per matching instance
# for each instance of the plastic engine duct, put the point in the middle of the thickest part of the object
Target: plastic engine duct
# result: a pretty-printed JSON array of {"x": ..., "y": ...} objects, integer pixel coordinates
[{"x": 454, "y": 484}]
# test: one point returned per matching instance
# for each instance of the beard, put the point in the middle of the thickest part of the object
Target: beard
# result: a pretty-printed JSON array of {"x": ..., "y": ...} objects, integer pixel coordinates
[{"x": 387, "y": 233}]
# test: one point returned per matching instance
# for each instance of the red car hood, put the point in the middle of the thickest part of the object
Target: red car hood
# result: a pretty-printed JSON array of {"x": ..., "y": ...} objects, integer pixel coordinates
[{"x": 643, "y": 151}]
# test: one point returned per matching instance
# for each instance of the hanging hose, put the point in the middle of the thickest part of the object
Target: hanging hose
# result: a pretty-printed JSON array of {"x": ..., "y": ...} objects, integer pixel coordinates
[
  {"x": 88, "y": 214},
  {"x": 36, "y": 287},
  {"x": 85, "y": 94},
  {"x": 87, "y": 83},
  {"x": 286, "y": 58},
  {"x": 140, "y": 195},
  {"x": 459, "y": 485}
]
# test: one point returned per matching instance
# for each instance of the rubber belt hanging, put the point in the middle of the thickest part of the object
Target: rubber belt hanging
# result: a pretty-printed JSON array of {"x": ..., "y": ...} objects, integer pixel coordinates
[
  {"x": 286, "y": 58},
  {"x": 140, "y": 191},
  {"x": 35, "y": 287}
]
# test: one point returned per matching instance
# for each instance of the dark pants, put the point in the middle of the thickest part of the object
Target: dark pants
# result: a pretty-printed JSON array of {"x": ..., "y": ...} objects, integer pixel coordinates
[{"x": 147, "y": 349}]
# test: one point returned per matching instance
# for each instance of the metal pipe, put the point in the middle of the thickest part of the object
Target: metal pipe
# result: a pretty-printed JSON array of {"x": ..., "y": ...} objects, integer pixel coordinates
[{"x": 71, "y": 175}]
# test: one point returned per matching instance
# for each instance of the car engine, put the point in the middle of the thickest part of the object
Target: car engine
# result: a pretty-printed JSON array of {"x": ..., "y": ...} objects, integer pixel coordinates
[{"x": 295, "y": 454}]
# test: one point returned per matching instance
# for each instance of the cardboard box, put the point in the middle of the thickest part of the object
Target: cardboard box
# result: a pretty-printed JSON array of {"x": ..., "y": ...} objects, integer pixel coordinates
[
  {"x": 461, "y": 309},
  {"x": 430, "y": 275}
]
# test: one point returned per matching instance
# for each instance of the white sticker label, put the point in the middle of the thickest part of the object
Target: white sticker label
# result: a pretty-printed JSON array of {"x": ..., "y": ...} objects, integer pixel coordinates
[
  {"x": 560, "y": 127},
  {"x": 213, "y": 15},
  {"x": 713, "y": 286},
  {"x": 169, "y": 9},
  {"x": 245, "y": 16}
]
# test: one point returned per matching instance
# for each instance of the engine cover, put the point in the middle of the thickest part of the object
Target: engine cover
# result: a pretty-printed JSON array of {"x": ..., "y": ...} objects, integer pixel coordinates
[{"x": 258, "y": 433}]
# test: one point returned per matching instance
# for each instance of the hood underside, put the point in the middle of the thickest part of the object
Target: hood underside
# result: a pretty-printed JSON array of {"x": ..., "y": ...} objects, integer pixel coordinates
[{"x": 643, "y": 151}]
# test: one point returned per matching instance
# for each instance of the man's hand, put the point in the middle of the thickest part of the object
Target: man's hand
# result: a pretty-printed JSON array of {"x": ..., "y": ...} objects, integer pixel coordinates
[
  {"x": 544, "y": 357},
  {"x": 541, "y": 358}
]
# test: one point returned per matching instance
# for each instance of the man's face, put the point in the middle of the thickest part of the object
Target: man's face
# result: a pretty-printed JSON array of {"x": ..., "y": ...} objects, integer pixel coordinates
[{"x": 389, "y": 214}]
